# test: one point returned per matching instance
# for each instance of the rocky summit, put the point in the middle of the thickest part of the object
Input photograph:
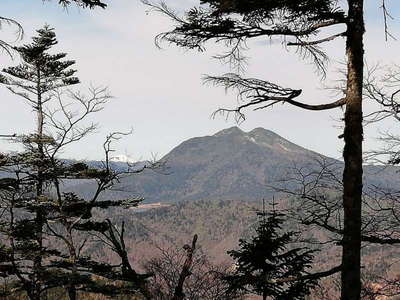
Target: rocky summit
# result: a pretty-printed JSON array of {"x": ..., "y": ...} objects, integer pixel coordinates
[{"x": 231, "y": 164}]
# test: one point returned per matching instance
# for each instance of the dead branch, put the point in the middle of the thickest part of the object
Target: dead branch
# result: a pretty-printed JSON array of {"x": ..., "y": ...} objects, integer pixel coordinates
[
  {"x": 261, "y": 94},
  {"x": 179, "y": 294}
]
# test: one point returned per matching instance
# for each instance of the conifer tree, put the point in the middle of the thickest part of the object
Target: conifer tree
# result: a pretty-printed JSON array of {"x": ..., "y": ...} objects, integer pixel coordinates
[
  {"x": 34, "y": 79},
  {"x": 45, "y": 228},
  {"x": 267, "y": 266}
]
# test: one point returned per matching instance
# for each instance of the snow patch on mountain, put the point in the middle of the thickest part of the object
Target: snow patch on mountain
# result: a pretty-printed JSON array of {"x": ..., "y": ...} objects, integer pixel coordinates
[{"x": 122, "y": 158}]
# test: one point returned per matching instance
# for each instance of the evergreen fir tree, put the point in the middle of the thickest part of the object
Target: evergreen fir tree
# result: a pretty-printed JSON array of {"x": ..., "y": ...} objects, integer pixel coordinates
[
  {"x": 43, "y": 227},
  {"x": 267, "y": 266}
]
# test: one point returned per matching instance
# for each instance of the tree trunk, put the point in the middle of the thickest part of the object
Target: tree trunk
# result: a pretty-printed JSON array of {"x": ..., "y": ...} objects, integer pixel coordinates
[
  {"x": 178, "y": 294},
  {"x": 352, "y": 154},
  {"x": 39, "y": 218},
  {"x": 32, "y": 295},
  {"x": 264, "y": 295},
  {"x": 72, "y": 294}
]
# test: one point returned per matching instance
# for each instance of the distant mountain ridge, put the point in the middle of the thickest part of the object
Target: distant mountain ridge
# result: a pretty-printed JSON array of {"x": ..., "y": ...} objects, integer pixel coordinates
[{"x": 230, "y": 165}]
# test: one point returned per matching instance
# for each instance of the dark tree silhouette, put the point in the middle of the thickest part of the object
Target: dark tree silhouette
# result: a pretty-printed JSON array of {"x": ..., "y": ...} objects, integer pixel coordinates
[
  {"x": 44, "y": 228},
  {"x": 84, "y": 3},
  {"x": 267, "y": 266},
  {"x": 299, "y": 24}
]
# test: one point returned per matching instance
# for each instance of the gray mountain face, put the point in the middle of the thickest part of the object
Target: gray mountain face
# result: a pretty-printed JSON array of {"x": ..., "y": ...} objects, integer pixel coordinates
[{"x": 230, "y": 164}]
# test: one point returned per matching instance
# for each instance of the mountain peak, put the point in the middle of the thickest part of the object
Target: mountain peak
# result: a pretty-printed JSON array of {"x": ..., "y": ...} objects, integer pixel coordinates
[
  {"x": 230, "y": 131},
  {"x": 256, "y": 132},
  {"x": 263, "y": 131},
  {"x": 261, "y": 137},
  {"x": 265, "y": 135},
  {"x": 231, "y": 164}
]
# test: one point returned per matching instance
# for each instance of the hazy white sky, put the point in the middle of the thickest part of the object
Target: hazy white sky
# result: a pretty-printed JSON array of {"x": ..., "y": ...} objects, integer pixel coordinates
[{"x": 159, "y": 93}]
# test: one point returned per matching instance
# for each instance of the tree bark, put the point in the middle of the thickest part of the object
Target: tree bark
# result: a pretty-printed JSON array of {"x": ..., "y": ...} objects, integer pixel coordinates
[
  {"x": 72, "y": 292},
  {"x": 39, "y": 219},
  {"x": 72, "y": 295},
  {"x": 264, "y": 295},
  {"x": 178, "y": 294},
  {"x": 352, "y": 154}
]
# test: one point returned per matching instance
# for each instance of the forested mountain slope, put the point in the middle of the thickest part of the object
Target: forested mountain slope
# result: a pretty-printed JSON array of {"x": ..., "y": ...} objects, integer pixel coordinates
[
  {"x": 232, "y": 164},
  {"x": 220, "y": 224}
]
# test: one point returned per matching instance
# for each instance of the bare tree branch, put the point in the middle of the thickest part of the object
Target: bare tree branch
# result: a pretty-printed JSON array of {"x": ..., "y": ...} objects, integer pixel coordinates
[
  {"x": 178, "y": 294},
  {"x": 262, "y": 94}
]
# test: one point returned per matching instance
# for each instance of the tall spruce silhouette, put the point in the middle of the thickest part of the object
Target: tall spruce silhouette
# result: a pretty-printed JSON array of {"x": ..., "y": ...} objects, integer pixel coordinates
[
  {"x": 45, "y": 229},
  {"x": 267, "y": 265}
]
